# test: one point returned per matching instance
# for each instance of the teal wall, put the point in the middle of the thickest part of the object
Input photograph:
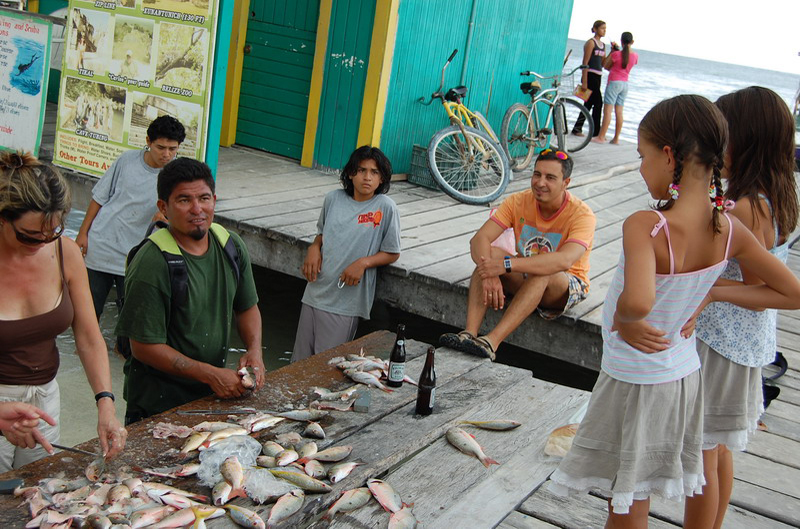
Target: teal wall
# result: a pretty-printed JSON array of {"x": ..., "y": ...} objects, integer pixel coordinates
[{"x": 509, "y": 36}]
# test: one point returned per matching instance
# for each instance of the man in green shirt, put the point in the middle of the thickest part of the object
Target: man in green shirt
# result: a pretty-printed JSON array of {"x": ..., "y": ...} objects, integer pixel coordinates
[{"x": 179, "y": 349}]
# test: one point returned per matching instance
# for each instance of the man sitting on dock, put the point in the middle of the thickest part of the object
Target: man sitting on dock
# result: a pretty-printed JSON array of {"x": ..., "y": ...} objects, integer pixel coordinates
[
  {"x": 185, "y": 287},
  {"x": 549, "y": 271}
]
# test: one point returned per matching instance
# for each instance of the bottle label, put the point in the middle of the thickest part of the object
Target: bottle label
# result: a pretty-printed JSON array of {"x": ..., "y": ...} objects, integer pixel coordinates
[
  {"x": 433, "y": 396},
  {"x": 397, "y": 371}
]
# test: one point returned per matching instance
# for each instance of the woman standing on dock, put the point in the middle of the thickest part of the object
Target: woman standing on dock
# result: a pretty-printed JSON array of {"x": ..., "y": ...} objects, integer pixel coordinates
[
  {"x": 45, "y": 291},
  {"x": 642, "y": 433},
  {"x": 594, "y": 51},
  {"x": 734, "y": 342}
]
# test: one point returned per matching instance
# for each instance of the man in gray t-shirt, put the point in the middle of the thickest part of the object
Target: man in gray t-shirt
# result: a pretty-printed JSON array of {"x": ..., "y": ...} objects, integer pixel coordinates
[
  {"x": 123, "y": 205},
  {"x": 358, "y": 230}
]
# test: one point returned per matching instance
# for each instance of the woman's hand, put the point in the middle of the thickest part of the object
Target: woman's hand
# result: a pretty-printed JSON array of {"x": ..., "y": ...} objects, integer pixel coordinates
[
  {"x": 19, "y": 423},
  {"x": 641, "y": 335},
  {"x": 110, "y": 432}
]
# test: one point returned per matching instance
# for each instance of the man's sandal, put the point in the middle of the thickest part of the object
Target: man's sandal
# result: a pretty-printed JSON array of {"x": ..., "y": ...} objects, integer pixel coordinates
[
  {"x": 455, "y": 340},
  {"x": 479, "y": 346}
]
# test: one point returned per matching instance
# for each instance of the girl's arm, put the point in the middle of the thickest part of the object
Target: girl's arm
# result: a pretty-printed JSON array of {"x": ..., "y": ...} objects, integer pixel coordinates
[
  {"x": 91, "y": 348},
  {"x": 355, "y": 271},
  {"x": 587, "y": 54},
  {"x": 781, "y": 289},
  {"x": 608, "y": 62}
]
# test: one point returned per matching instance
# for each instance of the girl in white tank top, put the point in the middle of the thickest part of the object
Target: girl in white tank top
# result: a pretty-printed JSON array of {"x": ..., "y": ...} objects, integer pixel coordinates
[{"x": 642, "y": 432}]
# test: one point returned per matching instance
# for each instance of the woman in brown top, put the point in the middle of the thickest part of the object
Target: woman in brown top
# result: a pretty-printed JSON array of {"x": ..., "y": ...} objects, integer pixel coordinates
[{"x": 45, "y": 291}]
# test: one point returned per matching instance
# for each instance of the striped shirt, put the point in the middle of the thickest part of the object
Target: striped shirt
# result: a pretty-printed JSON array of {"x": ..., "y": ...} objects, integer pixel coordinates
[{"x": 677, "y": 297}]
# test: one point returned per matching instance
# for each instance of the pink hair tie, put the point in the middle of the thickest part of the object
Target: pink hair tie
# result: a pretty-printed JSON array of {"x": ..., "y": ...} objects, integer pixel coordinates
[{"x": 723, "y": 205}]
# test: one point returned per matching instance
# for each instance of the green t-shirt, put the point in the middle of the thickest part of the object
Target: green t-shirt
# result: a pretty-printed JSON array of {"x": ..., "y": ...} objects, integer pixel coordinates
[{"x": 200, "y": 329}]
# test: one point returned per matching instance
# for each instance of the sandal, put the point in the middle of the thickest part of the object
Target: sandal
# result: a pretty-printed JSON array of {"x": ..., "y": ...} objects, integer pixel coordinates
[
  {"x": 479, "y": 347},
  {"x": 455, "y": 340},
  {"x": 777, "y": 368}
]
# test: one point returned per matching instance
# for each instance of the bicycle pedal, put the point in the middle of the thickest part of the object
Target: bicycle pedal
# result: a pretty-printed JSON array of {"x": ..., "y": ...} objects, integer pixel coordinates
[{"x": 545, "y": 132}]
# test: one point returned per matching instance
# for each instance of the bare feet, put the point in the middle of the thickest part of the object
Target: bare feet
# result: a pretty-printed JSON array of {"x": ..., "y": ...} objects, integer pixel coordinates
[
  {"x": 598, "y": 139},
  {"x": 615, "y": 141}
]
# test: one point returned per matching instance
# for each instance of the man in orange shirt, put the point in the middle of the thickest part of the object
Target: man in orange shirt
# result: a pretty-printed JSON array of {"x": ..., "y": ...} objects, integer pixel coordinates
[{"x": 549, "y": 270}]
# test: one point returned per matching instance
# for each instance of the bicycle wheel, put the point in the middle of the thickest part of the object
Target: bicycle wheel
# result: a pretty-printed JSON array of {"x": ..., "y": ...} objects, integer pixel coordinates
[
  {"x": 566, "y": 114},
  {"x": 515, "y": 138},
  {"x": 468, "y": 165}
]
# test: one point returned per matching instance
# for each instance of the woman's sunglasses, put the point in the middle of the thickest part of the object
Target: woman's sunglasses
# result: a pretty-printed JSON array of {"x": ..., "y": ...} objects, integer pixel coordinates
[
  {"x": 561, "y": 155},
  {"x": 33, "y": 241}
]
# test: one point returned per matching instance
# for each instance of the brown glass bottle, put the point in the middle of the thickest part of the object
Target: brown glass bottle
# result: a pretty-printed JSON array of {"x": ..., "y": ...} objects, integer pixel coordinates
[
  {"x": 426, "y": 393},
  {"x": 397, "y": 360}
]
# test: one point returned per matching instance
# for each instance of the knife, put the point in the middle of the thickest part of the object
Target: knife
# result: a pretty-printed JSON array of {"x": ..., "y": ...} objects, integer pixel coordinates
[{"x": 76, "y": 450}]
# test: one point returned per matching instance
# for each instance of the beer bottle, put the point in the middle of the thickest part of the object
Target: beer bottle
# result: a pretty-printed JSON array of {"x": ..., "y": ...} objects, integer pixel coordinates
[
  {"x": 426, "y": 393},
  {"x": 397, "y": 360}
]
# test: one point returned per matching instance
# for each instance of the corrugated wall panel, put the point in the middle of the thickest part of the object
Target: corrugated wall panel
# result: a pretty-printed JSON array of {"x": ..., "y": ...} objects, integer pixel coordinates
[{"x": 509, "y": 36}]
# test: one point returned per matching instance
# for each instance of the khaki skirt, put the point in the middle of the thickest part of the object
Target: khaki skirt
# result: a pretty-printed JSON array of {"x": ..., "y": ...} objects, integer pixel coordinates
[
  {"x": 637, "y": 440},
  {"x": 733, "y": 400}
]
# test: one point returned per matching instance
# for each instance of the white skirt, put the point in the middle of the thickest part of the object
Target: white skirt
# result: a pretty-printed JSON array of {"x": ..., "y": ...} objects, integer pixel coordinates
[{"x": 637, "y": 440}]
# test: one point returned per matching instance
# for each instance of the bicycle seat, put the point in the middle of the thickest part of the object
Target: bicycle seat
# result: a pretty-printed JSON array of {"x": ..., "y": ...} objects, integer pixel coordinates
[
  {"x": 530, "y": 88},
  {"x": 456, "y": 93}
]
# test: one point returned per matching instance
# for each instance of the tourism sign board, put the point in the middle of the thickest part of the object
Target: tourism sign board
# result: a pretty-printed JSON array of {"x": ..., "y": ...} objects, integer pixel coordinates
[
  {"x": 24, "y": 70},
  {"x": 127, "y": 62}
]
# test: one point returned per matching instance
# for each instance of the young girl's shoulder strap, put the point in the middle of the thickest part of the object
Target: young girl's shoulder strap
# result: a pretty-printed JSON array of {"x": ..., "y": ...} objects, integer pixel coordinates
[
  {"x": 730, "y": 235},
  {"x": 662, "y": 223}
]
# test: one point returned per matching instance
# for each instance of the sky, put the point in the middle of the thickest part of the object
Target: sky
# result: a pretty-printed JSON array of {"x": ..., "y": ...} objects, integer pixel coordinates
[{"x": 760, "y": 33}]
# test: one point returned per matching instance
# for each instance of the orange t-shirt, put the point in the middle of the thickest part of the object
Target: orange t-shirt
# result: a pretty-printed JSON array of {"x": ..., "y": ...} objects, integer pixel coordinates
[{"x": 534, "y": 234}]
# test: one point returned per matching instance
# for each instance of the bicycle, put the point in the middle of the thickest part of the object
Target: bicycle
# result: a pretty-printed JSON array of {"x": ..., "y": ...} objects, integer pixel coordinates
[
  {"x": 466, "y": 159},
  {"x": 526, "y": 127}
]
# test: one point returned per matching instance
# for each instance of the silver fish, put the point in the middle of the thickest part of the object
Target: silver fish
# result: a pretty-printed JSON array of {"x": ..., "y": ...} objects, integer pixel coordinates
[
  {"x": 304, "y": 415},
  {"x": 341, "y": 470},
  {"x": 95, "y": 469},
  {"x": 403, "y": 519},
  {"x": 367, "y": 378},
  {"x": 332, "y": 405},
  {"x": 385, "y": 494},
  {"x": 221, "y": 493},
  {"x": 211, "y": 426},
  {"x": 467, "y": 444},
  {"x": 287, "y": 505},
  {"x": 350, "y": 500},
  {"x": 326, "y": 394},
  {"x": 271, "y": 448},
  {"x": 303, "y": 481},
  {"x": 245, "y": 517},
  {"x": 286, "y": 457},
  {"x": 497, "y": 425},
  {"x": 307, "y": 448},
  {"x": 266, "y": 461},
  {"x": 313, "y": 429},
  {"x": 335, "y": 453},
  {"x": 315, "y": 469}
]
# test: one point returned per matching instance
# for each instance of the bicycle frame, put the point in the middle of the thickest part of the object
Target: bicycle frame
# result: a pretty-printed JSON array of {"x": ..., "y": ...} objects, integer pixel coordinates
[{"x": 458, "y": 112}]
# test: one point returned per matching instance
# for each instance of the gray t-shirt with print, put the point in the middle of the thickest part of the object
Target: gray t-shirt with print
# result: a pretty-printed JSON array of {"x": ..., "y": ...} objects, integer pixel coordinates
[
  {"x": 351, "y": 230},
  {"x": 127, "y": 194}
]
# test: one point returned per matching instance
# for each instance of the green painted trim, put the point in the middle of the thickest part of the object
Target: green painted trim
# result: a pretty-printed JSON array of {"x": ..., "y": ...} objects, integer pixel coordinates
[
  {"x": 317, "y": 73},
  {"x": 217, "y": 103}
]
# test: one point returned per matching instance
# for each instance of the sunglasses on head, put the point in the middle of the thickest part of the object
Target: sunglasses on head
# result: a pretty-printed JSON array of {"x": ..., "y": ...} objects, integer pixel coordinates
[
  {"x": 33, "y": 241},
  {"x": 561, "y": 155}
]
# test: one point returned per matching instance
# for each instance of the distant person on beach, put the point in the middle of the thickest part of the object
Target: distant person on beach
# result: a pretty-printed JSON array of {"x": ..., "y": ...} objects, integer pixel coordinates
[
  {"x": 179, "y": 336},
  {"x": 643, "y": 430},
  {"x": 45, "y": 292},
  {"x": 594, "y": 51},
  {"x": 619, "y": 63},
  {"x": 123, "y": 205},
  {"x": 548, "y": 272},
  {"x": 357, "y": 232},
  {"x": 734, "y": 342}
]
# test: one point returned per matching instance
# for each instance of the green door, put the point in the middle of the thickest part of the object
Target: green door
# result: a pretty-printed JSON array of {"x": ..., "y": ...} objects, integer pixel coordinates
[
  {"x": 346, "y": 64},
  {"x": 276, "y": 75}
]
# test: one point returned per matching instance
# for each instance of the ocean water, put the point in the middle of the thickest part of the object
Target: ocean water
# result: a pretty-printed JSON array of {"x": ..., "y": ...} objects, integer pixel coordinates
[{"x": 660, "y": 76}]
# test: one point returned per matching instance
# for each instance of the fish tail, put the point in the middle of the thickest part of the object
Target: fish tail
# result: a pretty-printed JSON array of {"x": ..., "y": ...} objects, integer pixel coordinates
[
  {"x": 487, "y": 461},
  {"x": 303, "y": 460},
  {"x": 237, "y": 493},
  {"x": 387, "y": 390}
]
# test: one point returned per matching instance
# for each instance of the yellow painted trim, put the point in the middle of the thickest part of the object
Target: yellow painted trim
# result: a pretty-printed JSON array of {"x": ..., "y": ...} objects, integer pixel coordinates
[
  {"x": 33, "y": 6},
  {"x": 376, "y": 87},
  {"x": 317, "y": 73},
  {"x": 233, "y": 80}
]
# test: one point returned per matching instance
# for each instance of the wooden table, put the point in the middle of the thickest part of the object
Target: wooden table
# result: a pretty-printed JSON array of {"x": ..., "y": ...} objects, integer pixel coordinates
[{"x": 446, "y": 487}]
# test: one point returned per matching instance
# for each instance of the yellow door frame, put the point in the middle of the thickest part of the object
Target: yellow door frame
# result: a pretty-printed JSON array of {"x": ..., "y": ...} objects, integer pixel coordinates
[{"x": 233, "y": 81}]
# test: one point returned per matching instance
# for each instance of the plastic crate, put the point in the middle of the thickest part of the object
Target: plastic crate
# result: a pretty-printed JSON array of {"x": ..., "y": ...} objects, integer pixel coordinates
[{"x": 420, "y": 174}]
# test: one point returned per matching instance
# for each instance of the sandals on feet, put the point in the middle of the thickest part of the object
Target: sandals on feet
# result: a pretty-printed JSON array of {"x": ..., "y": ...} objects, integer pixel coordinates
[
  {"x": 479, "y": 346},
  {"x": 455, "y": 340}
]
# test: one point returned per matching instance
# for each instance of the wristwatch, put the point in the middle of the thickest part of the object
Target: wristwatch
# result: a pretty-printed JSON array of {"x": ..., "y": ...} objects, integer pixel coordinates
[
  {"x": 507, "y": 263},
  {"x": 103, "y": 395}
]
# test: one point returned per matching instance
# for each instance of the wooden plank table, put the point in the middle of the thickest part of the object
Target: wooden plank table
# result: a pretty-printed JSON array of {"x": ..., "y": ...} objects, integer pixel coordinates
[{"x": 408, "y": 451}]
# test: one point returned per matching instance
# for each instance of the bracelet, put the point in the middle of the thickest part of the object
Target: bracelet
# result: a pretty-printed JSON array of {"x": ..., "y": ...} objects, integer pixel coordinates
[
  {"x": 104, "y": 394},
  {"x": 507, "y": 263}
]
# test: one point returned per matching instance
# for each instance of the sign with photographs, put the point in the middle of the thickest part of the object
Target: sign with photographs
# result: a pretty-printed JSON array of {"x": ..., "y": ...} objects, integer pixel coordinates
[
  {"x": 127, "y": 62},
  {"x": 24, "y": 69}
]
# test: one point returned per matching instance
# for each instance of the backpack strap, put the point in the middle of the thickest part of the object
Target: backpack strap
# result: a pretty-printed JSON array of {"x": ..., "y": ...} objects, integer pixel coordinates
[
  {"x": 176, "y": 264},
  {"x": 229, "y": 248}
]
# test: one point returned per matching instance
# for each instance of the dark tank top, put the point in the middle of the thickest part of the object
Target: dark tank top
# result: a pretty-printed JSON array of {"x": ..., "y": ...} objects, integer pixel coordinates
[
  {"x": 596, "y": 59},
  {"x": 28, "y": 351}
]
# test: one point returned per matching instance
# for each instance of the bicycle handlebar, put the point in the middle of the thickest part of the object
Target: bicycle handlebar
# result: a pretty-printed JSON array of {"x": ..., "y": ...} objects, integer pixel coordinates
[
  {"x": 529, "y": 72},
  {"x": 452, "y": 55},
  {"x": 438, "y": 92}
]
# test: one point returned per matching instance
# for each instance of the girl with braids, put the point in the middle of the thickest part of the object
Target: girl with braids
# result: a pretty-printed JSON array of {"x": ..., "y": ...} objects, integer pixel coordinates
[
  {"x": 734, "y": 342},
  {"x": 45, "y": 290},
  {"x": 619, "y": 63},
  {"x": 642, "y": 433}
]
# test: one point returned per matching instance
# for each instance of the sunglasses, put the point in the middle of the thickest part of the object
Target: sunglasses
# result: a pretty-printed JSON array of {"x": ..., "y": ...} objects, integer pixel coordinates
[
  {"x": 561, "y": 155},
  {"x": 33, "y": 241}
]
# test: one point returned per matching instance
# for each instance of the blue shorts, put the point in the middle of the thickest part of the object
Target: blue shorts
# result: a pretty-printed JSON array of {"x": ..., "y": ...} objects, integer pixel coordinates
[{"x": 615, "y": 93}]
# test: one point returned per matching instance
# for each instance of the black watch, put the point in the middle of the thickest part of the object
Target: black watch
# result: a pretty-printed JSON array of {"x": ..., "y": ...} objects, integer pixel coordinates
[
  {"x": 104, "y": 394},
  {"x": 507, "y": 263}
]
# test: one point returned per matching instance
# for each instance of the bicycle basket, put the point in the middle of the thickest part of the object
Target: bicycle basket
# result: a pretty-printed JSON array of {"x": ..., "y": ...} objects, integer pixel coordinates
[{"x": 567, "y": 87}]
